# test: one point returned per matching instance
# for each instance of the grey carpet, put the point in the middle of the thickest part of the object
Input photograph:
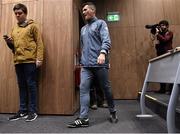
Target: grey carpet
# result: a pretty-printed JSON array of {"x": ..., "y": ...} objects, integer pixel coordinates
[{"x": 128, "y": 123}]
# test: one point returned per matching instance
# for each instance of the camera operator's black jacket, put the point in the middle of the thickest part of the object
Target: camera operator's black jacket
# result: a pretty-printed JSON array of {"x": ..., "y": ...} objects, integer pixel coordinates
[{"x": 165, "y": 42}]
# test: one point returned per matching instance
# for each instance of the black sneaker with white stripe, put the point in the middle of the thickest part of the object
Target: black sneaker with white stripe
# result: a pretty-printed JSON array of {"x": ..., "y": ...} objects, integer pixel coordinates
[
  {"x": 31, "y": 117},
  {"x": 18, "y": 115},
  {"x": 79, "y": 122}
]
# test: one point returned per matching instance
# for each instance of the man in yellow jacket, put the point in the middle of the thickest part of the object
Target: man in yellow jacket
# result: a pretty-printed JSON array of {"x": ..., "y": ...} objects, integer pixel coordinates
[{"x": 27, "y": 47}]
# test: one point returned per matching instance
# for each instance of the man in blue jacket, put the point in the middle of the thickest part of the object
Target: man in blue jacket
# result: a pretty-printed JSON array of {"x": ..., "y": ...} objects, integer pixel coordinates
[{"x": 95, "y": 46}]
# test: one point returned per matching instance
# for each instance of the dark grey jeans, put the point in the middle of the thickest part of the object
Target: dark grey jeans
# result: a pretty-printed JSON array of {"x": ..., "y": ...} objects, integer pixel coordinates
[{"x": 27, "y": 82}]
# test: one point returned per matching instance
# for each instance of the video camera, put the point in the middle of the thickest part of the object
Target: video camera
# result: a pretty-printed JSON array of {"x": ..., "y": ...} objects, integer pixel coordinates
[{"x": 153, "y": 28}]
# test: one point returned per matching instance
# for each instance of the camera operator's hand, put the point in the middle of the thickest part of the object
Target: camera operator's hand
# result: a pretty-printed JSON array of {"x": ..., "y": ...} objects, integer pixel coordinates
[{"x": 157, "y": 30}]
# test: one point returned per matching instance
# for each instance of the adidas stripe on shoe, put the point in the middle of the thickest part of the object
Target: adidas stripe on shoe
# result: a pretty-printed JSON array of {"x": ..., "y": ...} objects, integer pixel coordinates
[{"x": 79, "y": 122}]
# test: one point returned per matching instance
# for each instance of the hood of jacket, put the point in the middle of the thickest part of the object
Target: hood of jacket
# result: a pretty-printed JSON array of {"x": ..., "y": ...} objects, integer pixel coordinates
[{"x": 26, "y": 23}]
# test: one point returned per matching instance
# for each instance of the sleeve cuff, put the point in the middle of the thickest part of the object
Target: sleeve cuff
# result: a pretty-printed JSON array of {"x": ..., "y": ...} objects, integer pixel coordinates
[{"x": 103, "y": 51}]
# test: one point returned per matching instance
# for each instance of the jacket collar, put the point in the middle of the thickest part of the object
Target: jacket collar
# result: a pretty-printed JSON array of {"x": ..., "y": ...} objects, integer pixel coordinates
[
  {"x": 92, "y": 20},
  {"x": 25, "y": 23}
]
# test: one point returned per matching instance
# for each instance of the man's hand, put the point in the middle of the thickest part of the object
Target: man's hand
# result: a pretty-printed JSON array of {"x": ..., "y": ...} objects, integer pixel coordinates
[
  {"x": 38, "y": 63},
  {"x": 101, "y": 59}
]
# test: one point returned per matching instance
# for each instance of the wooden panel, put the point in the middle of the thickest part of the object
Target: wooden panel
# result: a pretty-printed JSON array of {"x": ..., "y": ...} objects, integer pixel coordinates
[
  {"x": 172, "y": 11},
  {"x": 147, "y": 12},
  {"x": 123, "y": 63},
  {"x": 124, "y": 7},
  {"x": 58, "y": 78},
  {"x": 8, "y": 86},
  {"x": 0, "y": 13},
  {"x": 145, "y": 50},
  {"x": 176, "y": 37},
  {"x": 76, "y": 45},
  {"x": 14, "y": 1}
]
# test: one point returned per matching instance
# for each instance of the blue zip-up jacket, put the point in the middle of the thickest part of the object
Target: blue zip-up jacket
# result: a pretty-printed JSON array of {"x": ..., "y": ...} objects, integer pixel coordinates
[{"x": 94, "y": 39}]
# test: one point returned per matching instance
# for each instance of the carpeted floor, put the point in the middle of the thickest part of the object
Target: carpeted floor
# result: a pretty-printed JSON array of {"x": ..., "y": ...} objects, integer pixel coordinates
[{"x": 128, "y": 122}]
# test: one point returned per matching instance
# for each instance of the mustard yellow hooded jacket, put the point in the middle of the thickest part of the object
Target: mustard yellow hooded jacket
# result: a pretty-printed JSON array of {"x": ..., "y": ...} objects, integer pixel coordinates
[{"x": 28, "y": 45}]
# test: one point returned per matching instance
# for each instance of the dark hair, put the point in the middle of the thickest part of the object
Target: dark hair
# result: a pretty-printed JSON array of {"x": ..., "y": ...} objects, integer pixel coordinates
[
  {"x": 164, "y": 22},
  {"x": 20, "y": 6},
  {"x": 90, "y": 4}
]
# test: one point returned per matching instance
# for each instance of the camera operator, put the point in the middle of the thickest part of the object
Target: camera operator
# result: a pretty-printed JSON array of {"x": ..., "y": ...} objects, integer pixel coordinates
[
  {"x": 164, "y": 37},
  {"x": 163, "y": 45}
]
